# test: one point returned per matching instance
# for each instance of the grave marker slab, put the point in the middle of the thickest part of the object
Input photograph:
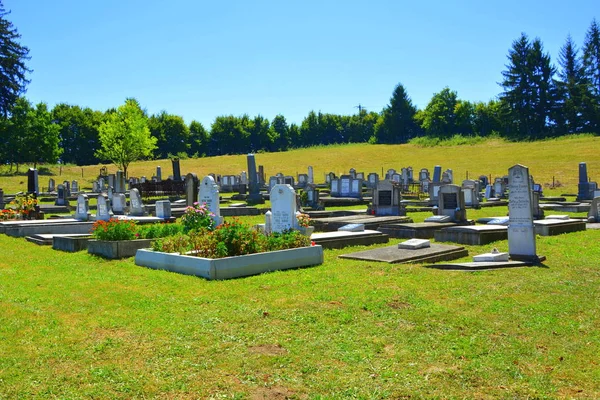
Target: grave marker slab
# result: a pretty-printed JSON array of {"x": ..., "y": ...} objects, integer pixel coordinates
[
  {"x": 283, "y": 208},
  {"x": 103, "y": 211},
  {"x": 521, "y": 231},
  {"x": 163, "y": 209},
  {"x": 136, "y": 208},
  {"x": 81, "y": 213},
  {"x": 209, "y": 194}
]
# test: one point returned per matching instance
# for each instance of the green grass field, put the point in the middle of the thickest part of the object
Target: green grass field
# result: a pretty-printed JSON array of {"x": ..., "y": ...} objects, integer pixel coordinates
[
  {"x": 78, "y": 326},
  {"x": 557, "y": 158}
]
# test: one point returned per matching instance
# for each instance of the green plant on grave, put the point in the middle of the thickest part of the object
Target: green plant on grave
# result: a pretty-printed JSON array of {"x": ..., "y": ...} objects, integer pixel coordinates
[
  {"x": 114, "y": 229},
  {"x": 158, "y": 230},
  {"x": 197, "y": 217}
]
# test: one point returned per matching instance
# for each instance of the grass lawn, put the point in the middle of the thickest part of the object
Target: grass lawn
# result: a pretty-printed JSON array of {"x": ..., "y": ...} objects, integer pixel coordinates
[{"x": 77, "y": 326}]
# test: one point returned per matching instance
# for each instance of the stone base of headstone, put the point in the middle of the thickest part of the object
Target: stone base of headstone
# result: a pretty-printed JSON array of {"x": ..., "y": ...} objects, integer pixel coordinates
[
  {"x": 491, "y": 257},
  {"x": 341, "y": 239},
  {"x": 255, "y": 199},
  {"x": 370, "y": 222},
  {"x": 549, "y": 227},
  {"x": 474, "y": 235}
]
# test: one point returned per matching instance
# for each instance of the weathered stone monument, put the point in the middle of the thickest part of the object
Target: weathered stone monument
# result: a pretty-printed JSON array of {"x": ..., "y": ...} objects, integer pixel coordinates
[
  {"x": 120, "y": 182},
  {"x": 61, "y": 199},
  {"x": 283, "y": 208},
  {"x": 254, "y": 196},
  {"x": 103, "y": 211},
  {"x": 594, "y": 212},
  {"x": 163, "y": 209},
  {"x": 191, "y": 189},
  {"x": 386, "y": 199},
  {"x": 209, "y": 194},
  {"x": 158, "y": 173},
  {"x": 32, "y": 182},
  {"x": 74, "y": 187},
  {"x": 176, "y": 169},
  {"x": 81, "y": 212},
  {"x": 136, "y": 207},
  {"x": 51, "y": 185},
  {"x": 311, "y": 176},
  {"x": 586, "y": 188},
  {"x": 437, "y": 174},
  {"x": 471, "y": 191},
  {"x": 118, "y": 203},
  {"x": 451, "y": 203},
  {"x": 521, "y": 231}
]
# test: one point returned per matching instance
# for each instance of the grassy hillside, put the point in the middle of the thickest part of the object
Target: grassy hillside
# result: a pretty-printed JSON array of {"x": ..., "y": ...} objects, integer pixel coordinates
[{"x": 554, "y": 158}]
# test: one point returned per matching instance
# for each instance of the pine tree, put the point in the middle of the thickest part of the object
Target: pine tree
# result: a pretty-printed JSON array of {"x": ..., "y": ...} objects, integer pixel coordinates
[
  {"x": 572, "y": 88},
  {"x": 13, "y": 71},
  {"x": 591, "y": 65},
  {"x": 397, "y": 124}
]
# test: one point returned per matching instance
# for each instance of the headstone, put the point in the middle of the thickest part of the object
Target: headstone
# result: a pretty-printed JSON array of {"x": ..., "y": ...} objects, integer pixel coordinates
[
  {"x": 67, "y": 186},
  {"x": 209, "y": 194},
  {"x": 470, "y": 190},
  {"x": 452, "y": 203},
  {"x": 312, "y": 197},
  {"x": 191, "y": 189},
  {"x": 302, "y": 180},
  {"x": 120, "y": 182},
  {"x": 386, "y": 199},
  {"x": 261, "y": 176},
  {"x": 437, "y": 173},
  {"x": 484, "y": 180},
  {"x": 74, "y": 187},
  {"x": 254, "y": 187},
  {"x": 521, "y": 231},
  {"x": 335, "y": 188},
  {"x": 158, "y": 173},
  {"x": 101, "y": 183},
  {"x": 112, "y": 180},
  {"x": 110, "y": 192},
  {"x": 311, "y": 176},
  {"x": 118, "y": 204},
  {"x": 268, "y": 222},
  {"x": 434, "y": 188},
  {"x": 423, "y": 175},
  {"x": 81, "y": 212},
  {"x": 61, "y": 199},
  {"x": 352, "y": 173},
  {"x": 95, "y": 187},
  {"x": 409, "y": 171},
  {"x": 405, "y": 177},
  {"x": 289, "y": 180},
  {"x": 2, "y": 205},
  {"x": 389, "y": 173},
  {"x": 396, "y": 177},
  {"x": 103, "y": 211},
  {"x": 243, "y": 178},
  {"x": 372, "y": 180},
  {"x": 283, "y": 208},
  {"x": 51, "y": 185},
  {"x": 594, "y": 212},
  {"x": 176, "y": 169},
  {"x": 136, "y": 207},
  {"x": 489, "y": 192},
  {"x": 586, "y": 189},
  {"x": 499, "y": 187},
  {"x": 163, "y": 209},
  {"x": 32, "y": 181}
]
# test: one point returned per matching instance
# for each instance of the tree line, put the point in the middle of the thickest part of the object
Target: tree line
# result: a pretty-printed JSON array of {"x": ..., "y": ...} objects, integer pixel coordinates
[{"x": 538, "y": 100}]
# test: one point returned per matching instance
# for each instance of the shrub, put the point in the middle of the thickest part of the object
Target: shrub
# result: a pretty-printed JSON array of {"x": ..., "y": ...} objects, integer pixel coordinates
[
  {"x": 236, "y": 239},
  {"x": 197, "y": 217},
  {"x": 178, "y": 243},
  {"x": 159, "y": 230},
  {"x": 114, "y": 229}
]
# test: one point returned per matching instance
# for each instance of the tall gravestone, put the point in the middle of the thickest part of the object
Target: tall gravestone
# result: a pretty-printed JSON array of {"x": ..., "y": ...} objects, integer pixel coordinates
[
  {"x": 176, "y": 170},
  {"x": 2, "y": 199},
  {"x": 74, "y": 187},
  {"x": 254, "y": 196},
  {"x": 136, "y": 207},
  {"x": 586, "y": 189},
  {"x": 283, "y": 208},
  {"x": 311, "y": 175},
  {"x": 163, "y": 209},
  {"x": 209, "y": 195},
  {"x": 437, "y": 173},
  {"x": 158, "y": 173},
  {"x": 103, "y": 211},
  {"x": 81, "y": 212},
  {"x": 521, "y": 231},
  {"x": 32, "y": 181},
  {"x": 191, "y": 189},
  {"x": 261, "y": 176},
  {"x": 51, "y": 185},
  {"x": 112, "y": 180}
]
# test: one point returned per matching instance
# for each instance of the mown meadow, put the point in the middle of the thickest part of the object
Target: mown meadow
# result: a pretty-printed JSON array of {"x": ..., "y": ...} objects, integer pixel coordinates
[{"x": 74, "y": 325}]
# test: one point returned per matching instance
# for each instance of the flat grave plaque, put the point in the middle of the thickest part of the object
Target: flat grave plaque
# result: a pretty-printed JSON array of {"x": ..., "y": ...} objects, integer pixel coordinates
[
  {"x": 438, "y": 218},
  {"x": 352, "y": 228},
  {"x": 413, "y": 244}
]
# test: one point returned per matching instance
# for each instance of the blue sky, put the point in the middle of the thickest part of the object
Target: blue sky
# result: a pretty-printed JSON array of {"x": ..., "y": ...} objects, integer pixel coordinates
[{"x": 200, "y": 59}]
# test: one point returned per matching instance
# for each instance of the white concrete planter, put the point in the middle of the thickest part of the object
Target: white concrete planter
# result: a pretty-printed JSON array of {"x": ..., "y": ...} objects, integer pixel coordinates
[{"x": 230, "y": 267}]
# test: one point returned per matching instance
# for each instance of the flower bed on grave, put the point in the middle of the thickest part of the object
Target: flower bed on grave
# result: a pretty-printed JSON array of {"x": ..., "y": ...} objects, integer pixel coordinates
[
  {"x": 230, "y": 250},
  {"x": 22, "y": 207},
  {"x": 118, "y": 238}
]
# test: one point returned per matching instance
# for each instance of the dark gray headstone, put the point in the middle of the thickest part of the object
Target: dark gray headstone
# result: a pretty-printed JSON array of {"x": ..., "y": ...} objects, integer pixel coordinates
[
  {"x": 254, "y": 196},
  {"x": 176, "y": 170},
  {"x": 32, "y": 181},
  {"x": 437, "y": 173},
  {"x": 191, "y": 189}
]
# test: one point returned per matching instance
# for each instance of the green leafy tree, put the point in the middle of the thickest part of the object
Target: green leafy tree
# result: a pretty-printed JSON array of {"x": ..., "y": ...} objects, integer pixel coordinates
[
  {"x": 229, "y": 135},
  {"x": 487, "y": 118},
  {"x": 398, "y": 124},
  {"x": 171, "y": 133},
  {"x": 13, "y": 72},
  {"x": 280, "y": 133},
  {"x": 125, "y": 137},
  {"x": 438, "y": 119},
  {"x": 258, "y": 133},
  {"x": 79, "y": 135},
  {"x": 199, "y": 140}
]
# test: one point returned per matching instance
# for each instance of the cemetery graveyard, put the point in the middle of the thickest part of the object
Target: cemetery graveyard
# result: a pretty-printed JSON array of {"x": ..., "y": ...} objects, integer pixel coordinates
[{"x": 370, "y": 220}]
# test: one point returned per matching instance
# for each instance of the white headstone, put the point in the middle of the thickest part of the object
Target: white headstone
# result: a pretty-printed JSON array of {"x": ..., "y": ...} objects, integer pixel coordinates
[
  {"x": 163, "y": 209},
  {"x": 521, "y": 231},
  {"x": 311, "y": 177},
  {"x": 81, "y": 212},
  {"x": 209, "y": 194},
  {"x": 136, "y": 208},
  {"x": 283, "y": 208},
  {"x": 103, "y": 212}
]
